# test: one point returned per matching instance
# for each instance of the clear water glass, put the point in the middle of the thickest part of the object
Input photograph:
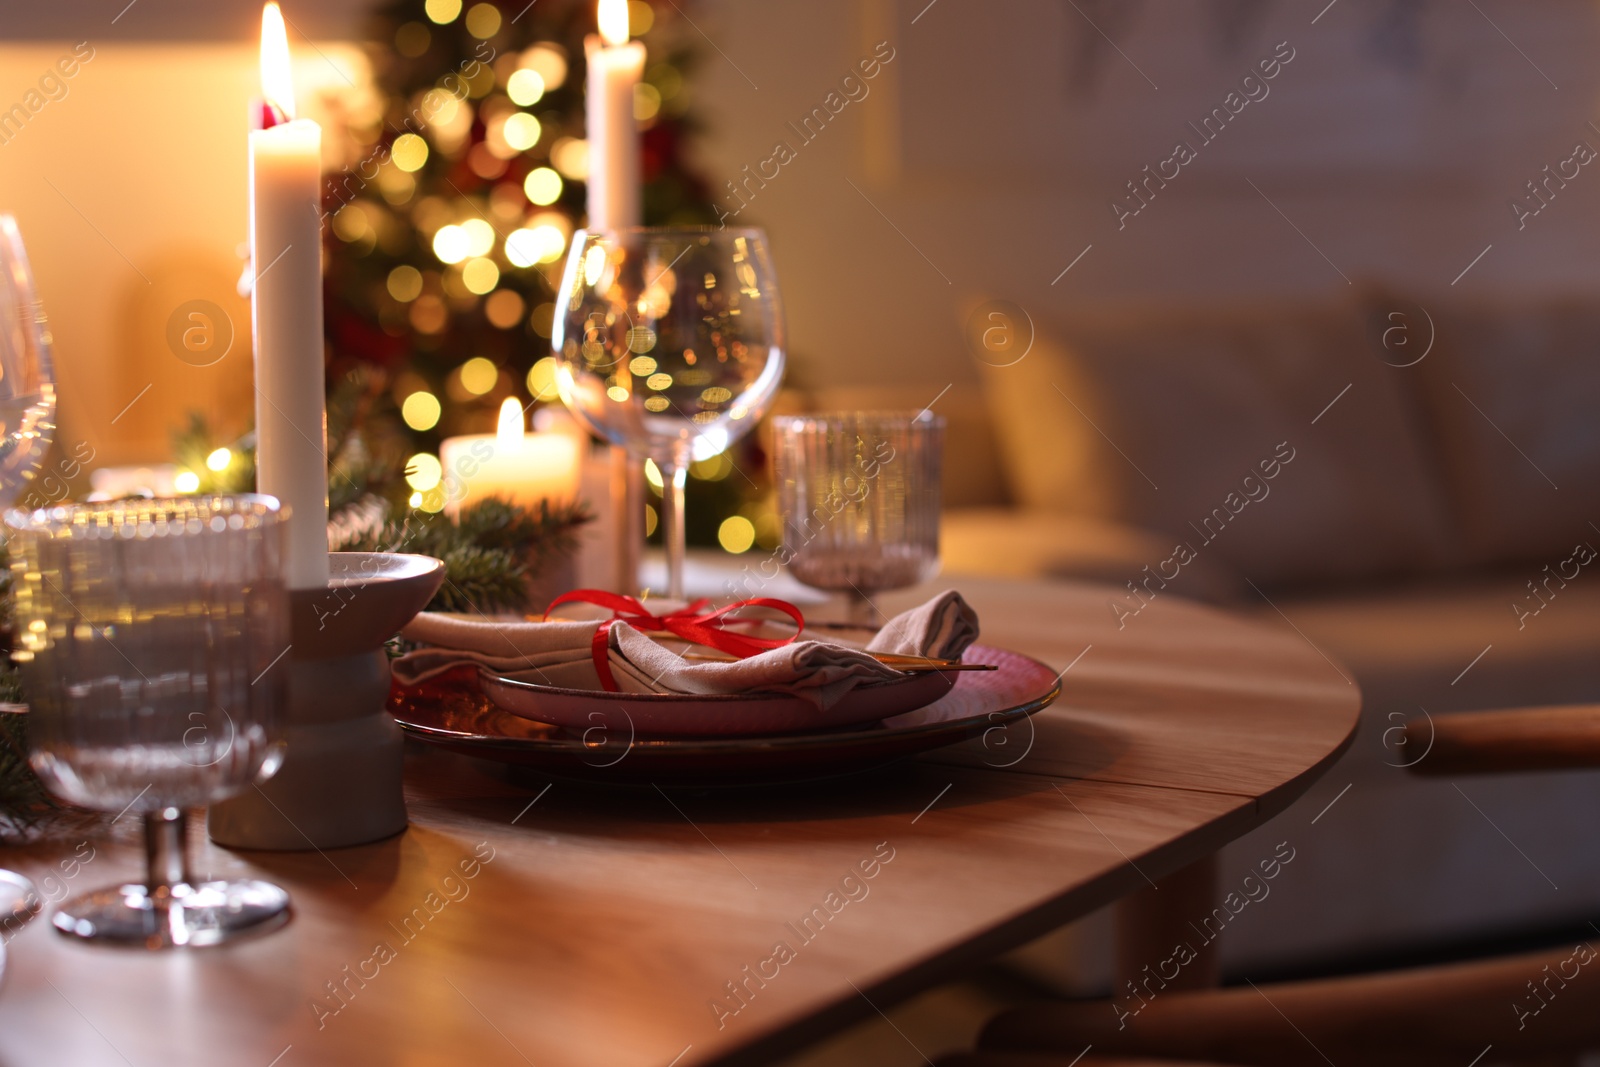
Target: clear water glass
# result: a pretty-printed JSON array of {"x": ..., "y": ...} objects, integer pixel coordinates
[
  {"x": 859, "y": 497},
  {"x": 147, "y": 633},
  {"x": 669, "y": 342}
]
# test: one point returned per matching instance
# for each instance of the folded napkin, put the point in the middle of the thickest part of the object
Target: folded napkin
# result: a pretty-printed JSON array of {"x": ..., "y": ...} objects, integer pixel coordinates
[{"x": 561, "y": 654}]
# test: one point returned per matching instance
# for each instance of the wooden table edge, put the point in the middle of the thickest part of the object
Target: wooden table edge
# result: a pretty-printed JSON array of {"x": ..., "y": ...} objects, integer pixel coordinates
[{"x": 1253, "y": 810}]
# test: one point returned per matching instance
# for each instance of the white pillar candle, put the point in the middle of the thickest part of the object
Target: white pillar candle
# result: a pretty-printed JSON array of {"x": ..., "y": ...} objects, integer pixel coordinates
[
  {"x": 615, "y": 65},
  {"x": 286, "y": 313},
  {"x": 524, "y": 468}
]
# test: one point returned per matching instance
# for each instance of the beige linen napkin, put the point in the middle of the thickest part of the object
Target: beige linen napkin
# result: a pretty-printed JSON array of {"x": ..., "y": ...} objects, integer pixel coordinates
[{"x": 559, "y": 654}]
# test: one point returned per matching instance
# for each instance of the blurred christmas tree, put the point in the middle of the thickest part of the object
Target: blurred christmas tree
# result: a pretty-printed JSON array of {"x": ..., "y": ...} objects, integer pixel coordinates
[{"x": 450, "y": 225}]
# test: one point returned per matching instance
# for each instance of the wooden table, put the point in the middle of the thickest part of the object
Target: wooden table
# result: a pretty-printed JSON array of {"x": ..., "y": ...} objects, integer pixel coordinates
[{"x": 513, "y": 924}]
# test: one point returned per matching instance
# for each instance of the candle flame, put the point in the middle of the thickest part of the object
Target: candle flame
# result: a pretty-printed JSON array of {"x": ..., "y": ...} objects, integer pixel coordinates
[
  {"x": 614, "y": 22},
  {"x": 277, "y": 86},
  {"x": 509, "y": 432}
]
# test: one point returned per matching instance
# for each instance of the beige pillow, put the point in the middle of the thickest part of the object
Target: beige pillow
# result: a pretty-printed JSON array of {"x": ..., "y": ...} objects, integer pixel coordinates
[
  {"x": 1014, "y": 543},
  {"x": 1215, "y": 428},
  {"x": 1512, "y": 393}
]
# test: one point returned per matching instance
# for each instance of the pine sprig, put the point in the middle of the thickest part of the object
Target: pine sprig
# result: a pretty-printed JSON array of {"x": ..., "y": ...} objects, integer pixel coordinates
[
  {"x": 24, "y": 801},
  {"x": 481, "y": 579},
  {"x": 491, "y": 551}
]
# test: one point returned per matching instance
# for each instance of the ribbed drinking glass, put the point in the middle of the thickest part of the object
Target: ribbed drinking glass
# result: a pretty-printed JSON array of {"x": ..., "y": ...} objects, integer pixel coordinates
[
  {"x": 859, "y": 497},
  {"x": 148, "y": 636}
]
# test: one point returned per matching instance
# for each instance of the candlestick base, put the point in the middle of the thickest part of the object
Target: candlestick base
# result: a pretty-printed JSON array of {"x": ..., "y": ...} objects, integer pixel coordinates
[{"x": 340, "y": 782}]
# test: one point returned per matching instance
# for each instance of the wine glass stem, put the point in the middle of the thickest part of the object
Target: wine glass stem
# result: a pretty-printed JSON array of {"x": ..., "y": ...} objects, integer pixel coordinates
[
  {"x": 166, "y": 849},
  {"x": 674, "y": 467},
  {"x": 859, "y": 610},
  {"x": 628, "y": 496}
]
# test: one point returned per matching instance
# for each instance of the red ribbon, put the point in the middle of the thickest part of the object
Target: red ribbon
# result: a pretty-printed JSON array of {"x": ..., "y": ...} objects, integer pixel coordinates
[{"x": 691, "y": 623}]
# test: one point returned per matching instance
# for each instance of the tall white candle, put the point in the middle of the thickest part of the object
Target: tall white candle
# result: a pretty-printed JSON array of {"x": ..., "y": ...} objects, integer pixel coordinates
[
  {"x": 615, "y": 65},
  {"x": 286, "y": 313}
]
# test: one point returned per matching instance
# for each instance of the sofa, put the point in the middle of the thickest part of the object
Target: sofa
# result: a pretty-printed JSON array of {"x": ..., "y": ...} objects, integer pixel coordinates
[{"x": 1409, "y": 483}]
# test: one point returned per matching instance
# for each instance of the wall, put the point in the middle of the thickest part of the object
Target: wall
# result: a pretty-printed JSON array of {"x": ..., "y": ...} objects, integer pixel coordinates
[
  {"x": 130, "y": 190},
  {"x": 986, "y": 156}
]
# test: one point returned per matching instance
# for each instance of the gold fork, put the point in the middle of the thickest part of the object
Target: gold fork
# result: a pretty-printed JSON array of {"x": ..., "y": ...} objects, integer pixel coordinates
[{"x": 891, "y": 659}]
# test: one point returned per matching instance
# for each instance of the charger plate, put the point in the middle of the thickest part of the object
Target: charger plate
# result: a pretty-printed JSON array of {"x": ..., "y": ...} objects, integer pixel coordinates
[{"x": 451, "y": 711}]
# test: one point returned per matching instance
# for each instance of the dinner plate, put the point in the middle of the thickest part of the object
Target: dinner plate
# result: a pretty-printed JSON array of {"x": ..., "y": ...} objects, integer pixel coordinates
[
  {"x": 719, "y": 715},
  {"x": 451, "y": 711}
]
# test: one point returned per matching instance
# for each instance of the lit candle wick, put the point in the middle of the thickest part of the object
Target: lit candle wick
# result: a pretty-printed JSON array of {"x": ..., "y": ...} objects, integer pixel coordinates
[
  {"x": 509, "y": 433},
  {"x": 277, "y": 85},
  {"x": 613, "y": 18}
]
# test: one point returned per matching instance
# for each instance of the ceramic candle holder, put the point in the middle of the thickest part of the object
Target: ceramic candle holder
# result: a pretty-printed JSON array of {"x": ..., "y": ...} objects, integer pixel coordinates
[{"x": 340, "y": 782}]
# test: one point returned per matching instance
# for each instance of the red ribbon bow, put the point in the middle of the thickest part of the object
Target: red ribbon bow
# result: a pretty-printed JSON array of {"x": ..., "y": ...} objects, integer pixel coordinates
[{"x": 691, "y": 623}]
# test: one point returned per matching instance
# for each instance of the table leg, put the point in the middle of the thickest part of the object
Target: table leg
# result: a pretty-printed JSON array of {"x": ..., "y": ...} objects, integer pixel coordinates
[{"x": 1153, "y": 922}]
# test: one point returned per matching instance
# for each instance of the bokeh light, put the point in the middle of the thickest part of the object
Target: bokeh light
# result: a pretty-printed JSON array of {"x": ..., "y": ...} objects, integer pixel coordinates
[
  {"x": 412, "y": 39},
  {"x": 504, "y": 308},
  {"x": 405, "y": 283},
  {"x": 483, "y": 21},
  {"x": 549, "y": 62},
  {"x": 542, "y": 379},
  {"x": 542, "y": 186},
  {"x": 646, "y": 102},
  {"x": 480, "y": 275},
  {"x": 442, "y": 11},
  {"x": 571, "y": 157},
  {"x": 521, "y": 130},
  {"x": 478, "y": 376},
  {"x": 421, "y": 410},
  {"x": 525, "y": 87},
  {"x": 423, "y": 471},
  {"x": 641, "y": 16},
  {"x": 480, "y": 236},
  {"x": 736, "y": 534},
  {"x": 409, "y": 152},
  {"x": 451, "y": 244}
]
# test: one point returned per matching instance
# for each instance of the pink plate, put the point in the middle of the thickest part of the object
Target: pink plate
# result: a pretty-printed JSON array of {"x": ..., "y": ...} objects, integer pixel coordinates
[
  {"x": 451, "y": 712},
  {"x": 741, "y": 715}
]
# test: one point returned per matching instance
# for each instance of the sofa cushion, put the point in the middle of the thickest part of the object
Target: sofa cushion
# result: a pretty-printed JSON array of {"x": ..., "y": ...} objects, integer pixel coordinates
[
  {"x": 1511, "y": 394},
  {"x": 1215, "y": 427},
  {"x": 1012, "y": 543},
  {"x": 1467, "y": 643}
]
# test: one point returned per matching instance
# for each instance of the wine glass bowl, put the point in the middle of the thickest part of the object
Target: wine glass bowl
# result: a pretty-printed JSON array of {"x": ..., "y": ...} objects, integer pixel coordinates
[
  {"x": 858, "y": 493},
  {"x": 27, "y": 381},
  {"x": 147, "y": 631},
  {"x": 27, "y": 414},
  {"x": 670, "y": 343}
]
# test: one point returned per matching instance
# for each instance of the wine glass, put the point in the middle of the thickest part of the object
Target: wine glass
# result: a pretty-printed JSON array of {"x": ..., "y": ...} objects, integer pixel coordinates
[
  {"x": 859, "y": 497},
  {"x": 27, "y": 380},
  {"x": 147, "y": 635},
  {"x": 27, "y": 414},
  {"x": 670, "y": 343}
]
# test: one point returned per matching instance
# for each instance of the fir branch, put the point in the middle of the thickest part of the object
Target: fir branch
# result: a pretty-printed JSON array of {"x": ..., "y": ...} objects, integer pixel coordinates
[
  {"x": 483, "y": 580},
  {"x": 24, "y": 801},
  {"x": 491, "y": 551}
]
